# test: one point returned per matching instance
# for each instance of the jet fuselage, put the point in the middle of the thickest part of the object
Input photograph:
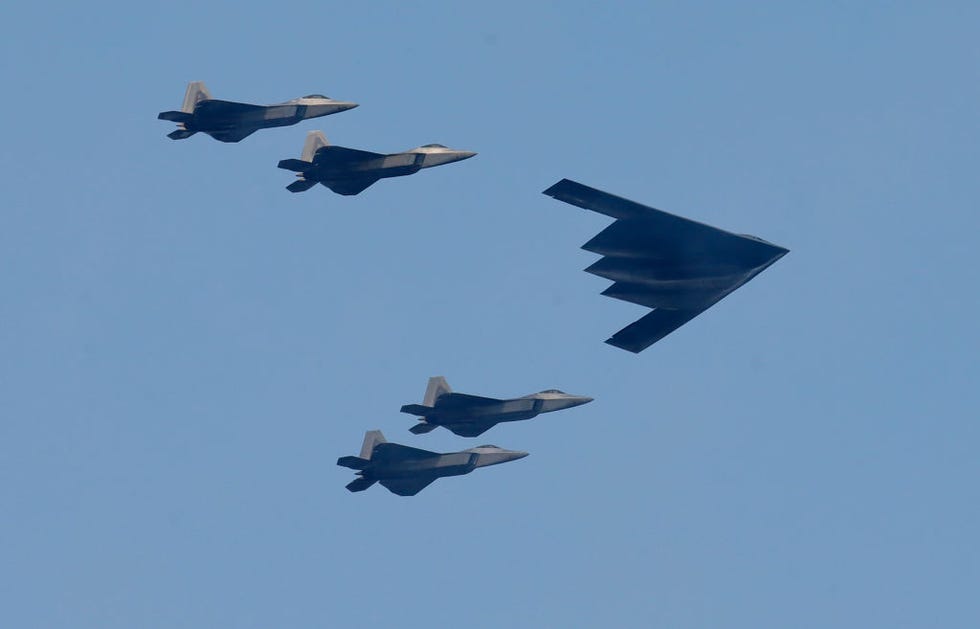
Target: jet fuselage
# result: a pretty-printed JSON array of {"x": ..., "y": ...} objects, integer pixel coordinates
[{"x": 218, "y": 114}]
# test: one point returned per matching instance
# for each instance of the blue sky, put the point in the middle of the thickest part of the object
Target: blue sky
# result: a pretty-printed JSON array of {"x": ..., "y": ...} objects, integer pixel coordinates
[{"x": 186, "y": 348}]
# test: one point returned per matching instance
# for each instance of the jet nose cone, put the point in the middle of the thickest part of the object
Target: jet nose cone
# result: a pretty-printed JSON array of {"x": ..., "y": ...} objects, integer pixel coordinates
[
  {"x": 579, "y": 400},
  {"x": 501, "y": 456},
  {"x": 461, "y": 155},
  {"x": 337, "y": 106}
]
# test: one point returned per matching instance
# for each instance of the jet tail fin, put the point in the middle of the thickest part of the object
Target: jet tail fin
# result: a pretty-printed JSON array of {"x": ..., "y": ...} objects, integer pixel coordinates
[
  {"x": 360, "y": 484},
  {"x": 371, "y": 439},
  {"x": 436, "y": 389},
  {"x": 315, "y": 140},
  {"x": 422, "y": 427},
  {"x": 196, "y": 91}
]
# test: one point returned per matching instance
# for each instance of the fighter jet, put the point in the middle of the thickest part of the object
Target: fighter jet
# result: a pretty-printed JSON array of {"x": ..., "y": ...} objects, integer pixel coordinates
[
  {"x": 676, "y": 266},
  {"x": 407, "y": 471},
  {"x": 349, "y": 171},
  {"x": 471, "y": 415},
  {"x": 228, "y": 121}
]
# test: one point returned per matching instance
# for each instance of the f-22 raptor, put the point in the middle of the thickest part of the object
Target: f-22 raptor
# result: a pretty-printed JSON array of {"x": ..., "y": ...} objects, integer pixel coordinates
[
  {"x": 407, "y": 471},
  {"x": 350, "y": 171},
  {"x": 229, "y": 121},
  {"x": 471, "y": 415}
]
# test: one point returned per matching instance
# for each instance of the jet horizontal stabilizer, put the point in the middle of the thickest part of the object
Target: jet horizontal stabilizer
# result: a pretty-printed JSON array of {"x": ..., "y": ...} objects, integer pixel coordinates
[
  {"x": 353, "y": 462},
  {"x": 300, "y": 185},
  {"x": 417, "y": 409},
  {"x": 295, "y": 165},
  {"x": 175, "y": 116},
  {"x": 422, "y": 427},
  {"x": 180, "y": 134},
  {"x": 360, "y": 484}
]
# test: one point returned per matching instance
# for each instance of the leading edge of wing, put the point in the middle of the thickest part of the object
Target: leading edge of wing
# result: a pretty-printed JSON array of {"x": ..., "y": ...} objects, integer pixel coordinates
[
  {"x": 650, "y": 328},
  {"x": 452, "y": 400},
  {"x": 387, "y": 451},
  {"x": 617, "y": 207},
  {"x": 342, "y": 153}
]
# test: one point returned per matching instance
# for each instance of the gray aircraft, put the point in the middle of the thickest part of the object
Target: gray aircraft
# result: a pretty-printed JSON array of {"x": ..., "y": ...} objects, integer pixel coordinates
[
  {"x": 228, "y": 121},
  {"x": 407, "y": 471},
  {"x": 349, "y": 171},
  {"x": 676, "y": 266},
  {"x": 471, "y": 415}
]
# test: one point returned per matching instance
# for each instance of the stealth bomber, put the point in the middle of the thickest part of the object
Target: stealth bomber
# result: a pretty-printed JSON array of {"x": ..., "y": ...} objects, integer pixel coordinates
[
  {"x": 349, "y": 171},
  {"x": 229, "y": 121},
  {"x": 406, "y": 471},
  {"x": 676, "y": 266},
  {"x": 472, "y": 415}
]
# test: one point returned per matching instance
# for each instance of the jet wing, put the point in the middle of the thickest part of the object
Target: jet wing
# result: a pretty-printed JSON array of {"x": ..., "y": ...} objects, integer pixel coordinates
[
  {"x": 342, "y": 153},
  {"x": 456, "y": 400},
  {"x": 386, "y": 451},
  {"x": 351, "y": 186},
  {"x": 407, "y": 486},
  {"x": 216, "y": 107},
  {"x": 233, "y": 134},
  {"x": 470, "y": 429}
]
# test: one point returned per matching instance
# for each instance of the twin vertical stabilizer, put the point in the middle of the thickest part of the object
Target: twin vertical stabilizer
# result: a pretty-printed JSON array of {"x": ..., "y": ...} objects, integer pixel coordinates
[
  {"x": 371, "y": 439},
  {"x": 436, "y": 389},
  {"x": 196, "y": 92},
  {"x": 315, "y": 140}
]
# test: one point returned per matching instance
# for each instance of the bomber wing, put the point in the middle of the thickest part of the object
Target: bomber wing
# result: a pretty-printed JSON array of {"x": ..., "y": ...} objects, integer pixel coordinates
[
  {"x": 407, "y": 486},
  {"x": 639, "y": 226},
  {"x": 677, "y": 266},
  {"x": 649, "y": 329}
]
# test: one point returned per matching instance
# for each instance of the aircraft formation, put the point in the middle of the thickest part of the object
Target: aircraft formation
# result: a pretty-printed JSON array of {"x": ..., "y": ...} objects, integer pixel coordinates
[{"x": 676, "y": 266}]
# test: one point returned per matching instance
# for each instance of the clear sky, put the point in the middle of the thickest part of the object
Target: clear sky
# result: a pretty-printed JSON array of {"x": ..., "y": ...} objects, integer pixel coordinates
[{"x": 186, "y": 348}]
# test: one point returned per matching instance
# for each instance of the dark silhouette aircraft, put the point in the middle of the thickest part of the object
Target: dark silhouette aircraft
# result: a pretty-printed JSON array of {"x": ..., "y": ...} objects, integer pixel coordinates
[
  {"x": 676, "y": 266},
  {"x": 349, "y": 171},
  {"x": 228, "y": 121},
  {"x": 407, "y": 471},
  {"x": 471, "y": 415}
]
